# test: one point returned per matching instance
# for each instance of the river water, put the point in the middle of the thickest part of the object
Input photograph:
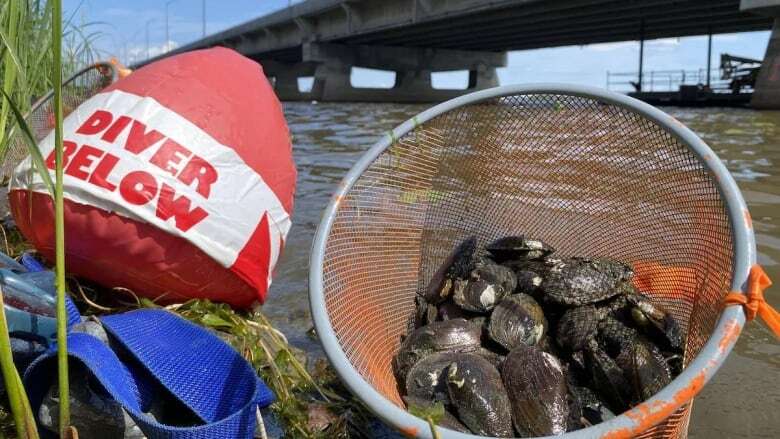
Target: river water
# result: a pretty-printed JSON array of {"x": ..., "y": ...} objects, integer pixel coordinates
[{"x": 742, "y": 401}]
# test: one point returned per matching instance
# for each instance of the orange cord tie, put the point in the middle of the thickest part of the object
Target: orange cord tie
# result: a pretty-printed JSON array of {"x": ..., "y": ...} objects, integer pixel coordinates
[
  {"x": 753, "y": 301},
  {"x": 121, "y": 70}
]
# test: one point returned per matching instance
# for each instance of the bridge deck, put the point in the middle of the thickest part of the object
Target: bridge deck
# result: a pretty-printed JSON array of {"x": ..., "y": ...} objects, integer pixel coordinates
[{"x": 497, "y": 25}]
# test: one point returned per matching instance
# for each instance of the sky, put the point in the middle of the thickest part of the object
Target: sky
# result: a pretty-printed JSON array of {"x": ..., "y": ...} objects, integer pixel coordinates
[{"x": 122, "y": 26}]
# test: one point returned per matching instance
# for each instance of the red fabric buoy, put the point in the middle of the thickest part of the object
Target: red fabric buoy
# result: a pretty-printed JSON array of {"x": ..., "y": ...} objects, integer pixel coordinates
[{"x": 179, "y": 182}]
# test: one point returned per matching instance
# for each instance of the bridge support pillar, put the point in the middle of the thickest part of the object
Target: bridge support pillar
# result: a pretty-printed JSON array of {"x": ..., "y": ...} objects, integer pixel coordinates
[
  {"x": 766, "y": 94},
  {"x": 284, "y": 78},
  {"x": 331, "y": 65}
]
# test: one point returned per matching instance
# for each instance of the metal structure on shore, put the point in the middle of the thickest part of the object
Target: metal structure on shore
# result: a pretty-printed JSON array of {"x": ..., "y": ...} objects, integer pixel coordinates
[
  {"x": 324, "y": 39},
  {"x": 731, "y": 85}
]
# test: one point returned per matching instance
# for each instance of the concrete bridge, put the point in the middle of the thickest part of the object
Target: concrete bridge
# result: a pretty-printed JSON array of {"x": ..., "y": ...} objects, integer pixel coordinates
[{"x": 324, "y": 39}]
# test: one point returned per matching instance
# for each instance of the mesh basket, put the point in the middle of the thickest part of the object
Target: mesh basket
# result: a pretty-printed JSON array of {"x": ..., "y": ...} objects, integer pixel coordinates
[
  {"x": 75, "y": 90},
  {"x": 591, "y": 172}
]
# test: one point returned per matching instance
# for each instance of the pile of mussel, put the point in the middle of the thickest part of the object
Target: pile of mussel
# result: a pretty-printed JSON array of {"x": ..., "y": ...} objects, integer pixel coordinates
[{"x": 514, "y": 341}]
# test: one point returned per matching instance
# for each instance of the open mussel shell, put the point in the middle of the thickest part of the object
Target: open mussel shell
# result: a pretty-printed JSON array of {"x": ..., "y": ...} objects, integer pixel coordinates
[
  {"x": 456, "y": 335},
  {"x": 537, "y": 390},
  {"x": 458, "y": 264},
  {"x": 580, "y": 281},
  {"x": 656, "y": 322},
  {"x": 487, "y": 284},
  {"x": 517, "y": 319},
  {"x": 478, "y": 395},
  {"x": 518, "y": 248}
]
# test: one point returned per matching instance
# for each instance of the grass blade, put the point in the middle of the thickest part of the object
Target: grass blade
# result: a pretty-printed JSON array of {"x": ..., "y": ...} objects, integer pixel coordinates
[
  {"x": 9, "y": 49},
  {"x": 32, "y": 145},
  {"x": 17, "y": 398},
  {"x": 59, "y": 222}
]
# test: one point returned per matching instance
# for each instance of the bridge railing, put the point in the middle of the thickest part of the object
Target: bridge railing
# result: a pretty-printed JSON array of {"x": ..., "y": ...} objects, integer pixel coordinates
[{"x": 665, "y": 80}]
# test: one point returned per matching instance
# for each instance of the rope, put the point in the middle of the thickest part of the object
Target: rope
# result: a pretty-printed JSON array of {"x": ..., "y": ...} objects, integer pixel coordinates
[{"x": 753, "y": 301}]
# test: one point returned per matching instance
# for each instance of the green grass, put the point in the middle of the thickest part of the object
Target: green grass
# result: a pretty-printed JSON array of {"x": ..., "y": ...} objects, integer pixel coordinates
[
  {"x": 59, "y": 222},
  {"x": 26, "y": 60}
]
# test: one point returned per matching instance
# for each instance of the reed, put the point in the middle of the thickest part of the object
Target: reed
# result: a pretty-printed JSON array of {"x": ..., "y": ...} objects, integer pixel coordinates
[
  {"x": 59, "y": 223},
  {"x": 26, "y": 58}
]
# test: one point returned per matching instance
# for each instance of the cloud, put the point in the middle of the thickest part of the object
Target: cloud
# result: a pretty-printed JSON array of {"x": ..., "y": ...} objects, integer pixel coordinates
[
  {"x": 607, "y": 47},
  {"x": 664, "y": 44},
  {"x": 659, "y": 44},
  {"x": 138, "y": 52}
]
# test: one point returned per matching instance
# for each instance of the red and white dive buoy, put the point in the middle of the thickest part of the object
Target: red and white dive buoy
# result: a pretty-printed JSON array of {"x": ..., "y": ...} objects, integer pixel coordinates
[{"x": 179, "y": 182}]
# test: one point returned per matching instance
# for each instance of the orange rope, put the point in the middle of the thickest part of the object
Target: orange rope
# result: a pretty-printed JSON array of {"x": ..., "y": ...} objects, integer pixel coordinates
[
  {"x": 121, "y": 70},
  {"x": 753, "y": 301}
]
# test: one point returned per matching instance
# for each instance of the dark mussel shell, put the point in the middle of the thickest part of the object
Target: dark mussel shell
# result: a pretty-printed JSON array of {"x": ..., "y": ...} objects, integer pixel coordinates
[
  {"x": 656, "y": 322},
  {"x": 576, "y": 326},
  {"x": 585, "y": 408},
  {"x": 528, "y": 281},
  {"x": 478, "y": 395},
  {"x": 580, "y": 281},
  {"x": 645, "y": 367},
  {"x": 481, "y": 322},
  {"x": 614, "y": 336},
  {"x": 530, "y": 276},
  {"x": 456, "y": 335},
  {"x": 518, "y": 248},
  {"x": 536, "y": 386},
  {"x": 548, "y": 345},
  {"x": 496, "y": 359},
  {"x": 448, "y": 310},
  {"x": 608, "y": 378},
  {"x": 517, "y": 319},
  {"x": 425, "y": 313},
  {"x": 675, "y": 362},
  {"x": 458, "y": 264},
  {"x": 448, "y": 421},
  {"x": 577, "y": 361},
  {"x": 488, "y": 283},
  {"x": 617, "y": 306},
  {"x": 426, "y": 379}
]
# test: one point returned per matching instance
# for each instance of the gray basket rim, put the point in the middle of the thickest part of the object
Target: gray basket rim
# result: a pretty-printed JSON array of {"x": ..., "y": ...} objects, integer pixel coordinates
[
  {"x": 660, "y": 406},
  {"x": 105, "y": 64}
]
